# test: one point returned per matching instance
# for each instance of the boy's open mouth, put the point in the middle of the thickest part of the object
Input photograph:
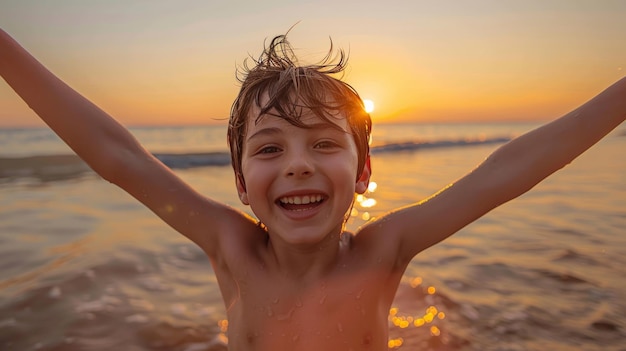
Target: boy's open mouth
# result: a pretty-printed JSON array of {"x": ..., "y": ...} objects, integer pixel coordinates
[{"x": 300, "y": 202}]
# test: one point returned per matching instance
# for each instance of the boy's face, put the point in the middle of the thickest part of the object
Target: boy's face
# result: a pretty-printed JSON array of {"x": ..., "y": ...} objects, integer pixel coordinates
[{"x": 300, "y": 182}]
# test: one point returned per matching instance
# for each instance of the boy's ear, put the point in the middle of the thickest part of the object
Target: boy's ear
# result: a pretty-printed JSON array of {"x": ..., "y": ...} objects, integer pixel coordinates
[
  {"x": 241, "y": 190},
  {"x": 364, "y": 179}
]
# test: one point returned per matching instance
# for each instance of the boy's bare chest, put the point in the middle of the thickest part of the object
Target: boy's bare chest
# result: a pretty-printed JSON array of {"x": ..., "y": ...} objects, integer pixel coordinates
[
  {"x": 315, "y": 320},
  {"x": 342, "y": 311}
]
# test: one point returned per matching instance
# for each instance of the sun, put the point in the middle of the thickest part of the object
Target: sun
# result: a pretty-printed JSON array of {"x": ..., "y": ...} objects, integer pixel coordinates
[{"x": 368, "y": 105}]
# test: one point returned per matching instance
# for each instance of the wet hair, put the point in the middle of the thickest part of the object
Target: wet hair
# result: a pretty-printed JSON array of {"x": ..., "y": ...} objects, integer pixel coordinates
[{"x": 278, "y": 86}]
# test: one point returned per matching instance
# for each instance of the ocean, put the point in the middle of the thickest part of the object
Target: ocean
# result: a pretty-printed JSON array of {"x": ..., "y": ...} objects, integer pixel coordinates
[{"x": 85, "y": 267}]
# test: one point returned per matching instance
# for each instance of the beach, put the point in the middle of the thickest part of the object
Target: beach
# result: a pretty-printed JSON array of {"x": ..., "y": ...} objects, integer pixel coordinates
[{"x": 83, "y": 266}]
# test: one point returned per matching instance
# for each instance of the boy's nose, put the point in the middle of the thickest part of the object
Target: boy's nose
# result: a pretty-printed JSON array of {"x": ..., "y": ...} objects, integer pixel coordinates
[{"x": 299, "y": 165}]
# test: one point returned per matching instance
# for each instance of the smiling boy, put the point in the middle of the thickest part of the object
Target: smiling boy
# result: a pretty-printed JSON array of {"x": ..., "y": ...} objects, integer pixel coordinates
[{"x": 295, "y": 279}]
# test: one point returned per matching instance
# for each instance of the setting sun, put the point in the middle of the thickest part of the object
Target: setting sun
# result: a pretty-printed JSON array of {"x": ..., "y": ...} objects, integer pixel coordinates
[{"x": 369, "y": 105}]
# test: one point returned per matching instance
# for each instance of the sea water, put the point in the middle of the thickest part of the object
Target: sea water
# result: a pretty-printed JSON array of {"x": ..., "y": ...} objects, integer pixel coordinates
[{"x": 83, "y": 266}]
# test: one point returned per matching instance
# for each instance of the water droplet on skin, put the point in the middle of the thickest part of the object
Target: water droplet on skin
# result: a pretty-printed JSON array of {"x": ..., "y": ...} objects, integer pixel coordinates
[
  {"x": 286, "y": 316},
  {"x": 358, "y": 295},
  {"x": 270, "y": 312},
  {"x": 323, "y": 299},
  {"x": 298, "y": 303},
  {"x": 275, "y": 301},
  {"x": 339, "y": 327},
  {"x": 295, "y": 338},
  {"x": 323, "y": 286},
  {"x": 379, "y": 260}
]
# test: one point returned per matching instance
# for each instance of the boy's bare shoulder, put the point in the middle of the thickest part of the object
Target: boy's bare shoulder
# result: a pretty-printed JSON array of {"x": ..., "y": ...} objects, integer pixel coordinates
[
  {"x": 386, "y": 236},
  {"x": 373, "y": 240},
  {"x": 236, "y": 229}
]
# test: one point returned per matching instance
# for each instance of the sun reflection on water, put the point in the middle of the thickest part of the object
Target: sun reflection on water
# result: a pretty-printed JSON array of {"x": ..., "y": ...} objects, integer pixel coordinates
[
  {"x": 429, "y": 319},
  {"x": 365, "y": 202}
]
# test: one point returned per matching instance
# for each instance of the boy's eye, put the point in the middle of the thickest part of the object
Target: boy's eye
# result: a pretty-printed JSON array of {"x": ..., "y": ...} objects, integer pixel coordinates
[
  {"x": 325, "y": 144},
  {"x": 269, "y": 150}
]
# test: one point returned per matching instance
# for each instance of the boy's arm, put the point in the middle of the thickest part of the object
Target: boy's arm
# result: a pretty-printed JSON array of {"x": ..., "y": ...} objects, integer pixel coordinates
[
  {"x": 510, "y": 171},
  {"x": 109, "y": 149}
]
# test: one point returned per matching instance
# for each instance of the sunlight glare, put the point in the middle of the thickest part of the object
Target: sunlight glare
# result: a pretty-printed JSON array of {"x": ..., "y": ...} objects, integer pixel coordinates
[{"x": 368, "y": 105}]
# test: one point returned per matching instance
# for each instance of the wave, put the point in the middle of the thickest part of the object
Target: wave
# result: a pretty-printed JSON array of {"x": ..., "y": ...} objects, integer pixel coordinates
[
  {"x": 438, "y": 144},
  {"x": 60, "y": 167}
]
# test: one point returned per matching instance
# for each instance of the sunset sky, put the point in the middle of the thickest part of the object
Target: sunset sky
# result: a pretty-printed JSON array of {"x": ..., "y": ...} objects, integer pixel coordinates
[{"x": 173, "y": 62}]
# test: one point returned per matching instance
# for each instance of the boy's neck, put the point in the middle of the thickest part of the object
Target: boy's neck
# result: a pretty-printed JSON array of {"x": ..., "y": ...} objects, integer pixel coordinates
[{"x": 308, "y": 262}]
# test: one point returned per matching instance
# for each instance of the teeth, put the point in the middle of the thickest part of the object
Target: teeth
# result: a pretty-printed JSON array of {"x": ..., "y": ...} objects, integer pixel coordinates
[{"x": 300, "y": 200}]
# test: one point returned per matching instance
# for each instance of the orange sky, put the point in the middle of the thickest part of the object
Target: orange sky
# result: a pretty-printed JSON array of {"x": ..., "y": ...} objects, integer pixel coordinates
[{"x": 165, "y": 62}]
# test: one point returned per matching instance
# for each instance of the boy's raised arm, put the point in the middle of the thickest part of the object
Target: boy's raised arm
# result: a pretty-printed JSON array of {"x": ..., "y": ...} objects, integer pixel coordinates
[
  {"x": 510, "y": 171},
  {"x": 107, "y": 147}
]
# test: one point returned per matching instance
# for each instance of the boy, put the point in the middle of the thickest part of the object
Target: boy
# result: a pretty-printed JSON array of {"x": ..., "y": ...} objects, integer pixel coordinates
[{"x": 296, "y": 280}]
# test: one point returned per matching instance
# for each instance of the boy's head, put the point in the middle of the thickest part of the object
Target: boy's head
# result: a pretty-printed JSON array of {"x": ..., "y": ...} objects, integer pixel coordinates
[{"x": 276, "y": 85}]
